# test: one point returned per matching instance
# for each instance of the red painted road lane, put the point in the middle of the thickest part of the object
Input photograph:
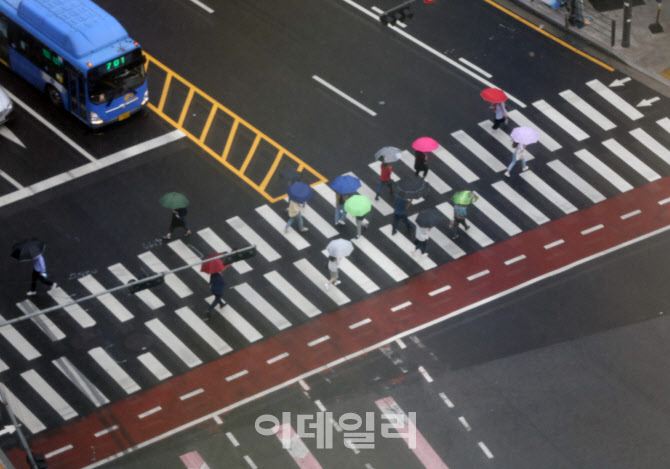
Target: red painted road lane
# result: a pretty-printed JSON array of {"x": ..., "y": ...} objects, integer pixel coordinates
[{"x": 225, "y": 388}]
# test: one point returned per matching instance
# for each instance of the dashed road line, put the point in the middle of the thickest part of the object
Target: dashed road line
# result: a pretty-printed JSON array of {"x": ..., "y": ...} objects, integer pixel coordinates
[
  {"x": 440, "y": 290},
  {"x": 446, "y": 400},
  {"x": 401, "y": 306},
  {"x": 149, "y": 412},
  {"x": 232, "y": 439},
  {"x": 318, "y": 341},
  {"x": 478, "y": 275},
  {"x": 425, "y": 374},
  {"x": 106, "y": 431},
  {"x": 465, "y": 423},
  {"x": 486, "y": 451},
  {"x": 554, "y": 244},
  {"x": 344, "y": 95},
  {"x": 191, "y": 394},
  {"x": 360, "y": 323},
  {"x": 515, "y": 259},
  {"x": 630, "y": 214},
  {"x": 592, "y": 229},
  {"x": 277, "y": 358},
  {"x": 237, "y": 375}
]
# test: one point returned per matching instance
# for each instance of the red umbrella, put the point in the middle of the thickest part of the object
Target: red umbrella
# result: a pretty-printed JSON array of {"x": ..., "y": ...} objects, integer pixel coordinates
[
  {"x": 425, "y": 144},
  {"x": 213, "y": 266},
  {"x": 494, "y": 95}
]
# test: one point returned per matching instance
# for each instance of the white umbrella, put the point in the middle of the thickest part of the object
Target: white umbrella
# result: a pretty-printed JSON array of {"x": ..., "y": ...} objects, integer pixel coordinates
[
  {"x": 525, "y": 135},
  {"x": 390, "y": 154},
  {"x": 340, "y": 248}
]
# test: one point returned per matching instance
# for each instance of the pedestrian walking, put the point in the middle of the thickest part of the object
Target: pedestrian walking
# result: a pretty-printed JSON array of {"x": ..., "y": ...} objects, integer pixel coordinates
[
  {"x": 501, "y": 114},
  {"x": 216, "y": 284},
  {"x": 333, "y": 268},
  {"x": 40, "y": 273},
  {"x": 421, "y": 239},
  {"x": 340, "y": 214},
  {"x": 400, "y": 214},
  {"x": 518, "y": 152},
  {"x": 361, "y": 224},
  {"x": 178, "y": 220},
  {"x": 420, "y": 163},
  {"x": 460, "y": 213},
  {"x": 294, "y": 211},
  {"x": 385, "y": 179}
]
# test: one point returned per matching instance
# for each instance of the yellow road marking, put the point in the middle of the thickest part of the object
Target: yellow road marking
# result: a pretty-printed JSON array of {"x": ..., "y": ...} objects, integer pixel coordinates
[
  {"x": 252, "y": 150},
  {"x": 229, "y": 143},
  {"x": 210, "y": 118},
  {"x": 185, "y": 108},
  {"x": 166, "y": 87},
  {"x": 550, "y": 36},
  {"x": 272, "y": 170}
]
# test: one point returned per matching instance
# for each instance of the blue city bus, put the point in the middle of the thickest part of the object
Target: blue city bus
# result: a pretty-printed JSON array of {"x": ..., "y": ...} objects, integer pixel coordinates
[{"x": 77, "y": 54}]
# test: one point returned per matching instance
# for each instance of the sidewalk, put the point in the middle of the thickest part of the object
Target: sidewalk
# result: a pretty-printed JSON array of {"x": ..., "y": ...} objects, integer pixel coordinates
[{"x": 648, "y": 53}]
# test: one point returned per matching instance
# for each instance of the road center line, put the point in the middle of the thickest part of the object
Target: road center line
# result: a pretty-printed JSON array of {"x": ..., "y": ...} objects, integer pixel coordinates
[
  {"x": 478, "y": 274},
  {"x": 592, "y": 229},
  {"x": 515, "y": 259},
  {"x": 106, "y": 431},
  {"x": 277, "y": 358},
  {"x": 401, "y": 306},
  {"x": 425, "y": 374},
  {"x": 237, "y": 375},
  {"x": 474, "y": 67},
  {"x": 58, "y": 451},
  {"x": 191, "y": 394},
  {"x": 232, "y": 439},
  {"x": 631, "y": 214},
  {"x": 440, "y": 290},
  {"x": 318, "y": 341},
  {"x": 360, "y": 323},
  {"x": 149, "y": 412},
  {"x": 554, "y": 244},
  {"x": 345, "y": 96}
]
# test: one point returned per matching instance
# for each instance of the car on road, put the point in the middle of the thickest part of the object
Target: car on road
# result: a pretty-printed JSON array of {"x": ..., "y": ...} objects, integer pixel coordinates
[{"x": 6, "y": 106}]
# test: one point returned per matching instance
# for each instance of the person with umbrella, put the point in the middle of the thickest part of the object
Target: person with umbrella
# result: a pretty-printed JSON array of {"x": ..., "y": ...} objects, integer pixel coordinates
[
  {"x": 217, "y": 283},
  {"x": 358, "y": 206},
  {"x": 497, "y": 99},
  {"x": 32, "y": 250},
  {"x": 425, "y": 222},
  {"x": 40, "y": 273},
  {"x": 422, "y": 146},
  {"x": 521, "y": 136},
  {"x": 385, "y": 178},
  {"x": 299, "y": 194},
  {"x": 400, "y": 214},
  {"x": 337, "y": 250},
  {"x": 344, "y": 186},
  {"x": 461, "y": 200},
  {"x": 177, "y": 203}
]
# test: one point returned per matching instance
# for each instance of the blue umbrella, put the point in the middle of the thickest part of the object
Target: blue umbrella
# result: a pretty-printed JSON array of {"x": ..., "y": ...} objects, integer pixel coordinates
[
  {"x": 300, "y": 192},
  {"x": 345, "y": 184}
]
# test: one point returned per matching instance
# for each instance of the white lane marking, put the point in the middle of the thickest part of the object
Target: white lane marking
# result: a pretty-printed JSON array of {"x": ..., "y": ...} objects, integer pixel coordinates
[
  {"x": 318, "y": 341},
  {"x": 576, "y": 181},
  {"x": 113, "y": 305},
  {"x": 203, "y": 6},
  {"x": 218, "y": 420},
  {"x": 171, "y": 280},
  {"x": 464, "y": 423},
  {"x": 475, "y": 233},
  {"x": 75, "y": 311},
  {"x": 292, "y": 294},
  {"x": 664, "y": 123},
  {"x": 630, "y": 214},
  {"x": 357, "y": 275},
  {"x": 315, "y": 221},
  {"x": 203, "y": 330},
  {"x": 486, "y": 451},
  {"x": 277, "y": 358},
  {"x": 245, "y": 231},
  {"x": 478, "y": 275},
  {"x": 191, "y": 394},
  {"x": 401, "y": 306},
  {"x": 49, "y": 394},
  {"x": 45, "y": 324},
  {"x": 250, "y": 461},
  {"x": 479, "y": 151},
  {"x": 379, "y": 258},
  {"x": 554, "y": 244},
  {"x": 136, "y": 150},
  {"x": 548, "y": 192},
  {"x": 278, "y": 224},
  {"x": 515, "y": 259},
  {"x": 188, "y": 256},
  {"x": 425, "y": 374},
  {"x": 106, "y": 431},
  {"x": 80, "y": 381},
  {"x": 218, "y": 245},
  {"x": 586, "y": 109},
  {"x": 344, "y": 95},
  {"x": 504, "y": 139},
  {"x": 652, "y": 144},
  {"x": 149, "y": 412},
  {"x": 19, "y": 342},
  {"x": 664, "y": 201},
  {"x": 615, "y": 100},
  {"x": 58, "y": 451},
  {"x": 239, "y": 374},
  {"x": 560, "y": 120},
  {"x": 124, "y": 276},
  {"x": 407, "y": 247},
  {"x": 440, "y": 290},
  {"x": 113, "y": 369},
  {"x": 592, "y": 229},
  {"x": 358, "y": 324},
  {"x": 455, "y": 164},
  {"x": 548, "y": 142},
  {"x": 10, "y": 179},
  {"x": 319, "y": 405},
  {"x": 431, "y": 178},
  {"x": 232, "y": 439},
  {"x": 236, "y": 320},
  {"x": 304, "y": 385},
  {"x": 446, "y": 400},
  {"x": 3, "y": 366},
  {"x": 631, "y": 160},
  {"x": 24, "y": 414},
  {"x": 11, "y": 136},
  {"x": 496, "y": 216},
  {"x": 520, "y": 202},
  {"x": 474, "y": 67},
  {"x": 262, "y": 306},
  {"x": 401, "y": 344},
  {"x": 153, "y": 365},
  {"x": 603, "y": 170},
  {"x": 442, "y": 240},
  {"x": 173, "y": 343}
]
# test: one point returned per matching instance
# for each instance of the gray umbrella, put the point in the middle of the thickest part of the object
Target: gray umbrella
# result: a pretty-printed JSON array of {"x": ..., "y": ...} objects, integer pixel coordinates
[
  {"x": 411, "y": 187},
  {"x": 390, "y": 154},
  {"x": 340, "y": 248},
  {"x": 429, "y": 218}
]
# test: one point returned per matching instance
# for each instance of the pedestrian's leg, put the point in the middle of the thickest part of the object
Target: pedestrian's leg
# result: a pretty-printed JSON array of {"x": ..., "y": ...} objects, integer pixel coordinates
[
  {"x": 422, "y": 245},
  {"x": 425, "y": 171},
  {"x": 454, "y": 228},
  {"x": 524, "y": 167},
  {"x": 379, "y": 189},
  {"x": 511, "y": 165},
  {"x": 33, "y": 282},
  {"x": 496, "y": 123},
  {"x": 183, "y": 223},
  {"x": 337, "y": 214},
  {"x": 45, "y": 280},
  {"x": 390, "y": 184},
  {"x": 408, "y": 224},
  {"x": 288, "y": 224},
  {"x": 394, "y": 225},
  {"x": 359, "y": 226}
]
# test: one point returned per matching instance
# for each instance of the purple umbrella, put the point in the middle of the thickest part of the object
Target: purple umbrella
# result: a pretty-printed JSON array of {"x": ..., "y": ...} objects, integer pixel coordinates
[{"x": 525, "y": 135}]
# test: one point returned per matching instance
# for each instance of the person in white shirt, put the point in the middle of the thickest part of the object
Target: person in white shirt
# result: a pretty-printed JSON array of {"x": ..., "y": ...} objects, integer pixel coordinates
[{"x": 421, "y": 240}]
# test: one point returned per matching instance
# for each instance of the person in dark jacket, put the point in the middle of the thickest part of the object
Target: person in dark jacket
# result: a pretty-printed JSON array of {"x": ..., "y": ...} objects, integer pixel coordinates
[
  {"x": 420, "y": 163},
  {"x": 217, "y": 284},
  {"x": 178, "y": 220},
  {"x": 400, "y": 214}
]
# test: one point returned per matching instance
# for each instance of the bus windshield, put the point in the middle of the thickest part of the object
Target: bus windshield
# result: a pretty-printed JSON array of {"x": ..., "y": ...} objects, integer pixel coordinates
[{"x": 120, "y": 80}]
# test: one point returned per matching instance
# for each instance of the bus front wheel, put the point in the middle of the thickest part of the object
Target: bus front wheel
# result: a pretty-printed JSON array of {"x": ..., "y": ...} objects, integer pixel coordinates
[{"x": 54, "y": 96}]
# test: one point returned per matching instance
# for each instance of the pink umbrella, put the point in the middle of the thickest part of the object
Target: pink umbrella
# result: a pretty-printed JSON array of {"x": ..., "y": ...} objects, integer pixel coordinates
[
  {"x": 525, "y": 135},
  {"x": 425, "y": 144}
]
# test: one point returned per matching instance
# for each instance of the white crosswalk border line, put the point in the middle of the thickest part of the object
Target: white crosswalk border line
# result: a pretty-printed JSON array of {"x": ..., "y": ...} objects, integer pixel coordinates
[
  {"x": 652, "y": 144},
  {"x": 292, "y": 294},
  {"x": 125, "y": 277},
  {"x": 173, "y": 342},
  {"x": 75, "y": 311},
  {"x": 318, "y": 279},
  {"x": 479, "y": 151},
  {"x": 154, "y": 366},
  {"x": 236, "y": 320},
  {"x": 548, "y": 192},
  {"x": 664, "y": 123},
  {"x": 32, "y": 423},
  {"x": 355, "y": 274},
  {"x": 442, "y": 240},
  {"x": 171, "y": 280},
  {"x": 603, "y": 170},
  {"x": 615, "y": 100},
  {"x": 113, "y": 305},
  {"x": 477, "y": 235},
  {"x": 3, "y": 366},
  {"x": 586, "y": 109},
  {"x": 220, "y": 246},
  {"x": 188, "y": 256},
  {"x": 548, "y": 142},
  {"x": 19, "y": 342},
  {"x": 278, "y": 224},
  {"x": 576, "y": 181},
  {"x": 504, "y": 139},
  {"x": 496, "y": 216},
  {"x": 80, "y": 381},
  {"x": 49, "y": 394},
  {"x": 455, "y": 164},
  {"x": 407, "y": 246},
  {"x": 378, "y": 257},
  {"x": 560, "y": 120},
  {"x": 118, "y": 374},
  {"x": 193, "y": 321},
  {"x": 262, "y": 306},
  {"x": 42, "y": 321},
  {"x": 631, "y": 160},
  {"x": 245, "y": 231},
  {"x": 520, "y": 202}
]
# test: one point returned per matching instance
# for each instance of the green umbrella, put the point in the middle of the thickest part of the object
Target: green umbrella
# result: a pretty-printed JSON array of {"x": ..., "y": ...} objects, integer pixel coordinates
[
  {"x": 357, "y": 205},
  {"x": 463, "y": 197},
  {"x": 174, "y": 200}
]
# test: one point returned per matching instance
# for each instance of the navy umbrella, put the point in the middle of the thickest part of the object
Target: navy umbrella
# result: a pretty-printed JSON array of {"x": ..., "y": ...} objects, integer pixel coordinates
[
  {"x": 28, "y": 249},
  {"x": 411, "y": 187},
  {"x": 429, "y": 218},
  {"x": 300, "y": 192},
  {"x": 345, "y": 184}
]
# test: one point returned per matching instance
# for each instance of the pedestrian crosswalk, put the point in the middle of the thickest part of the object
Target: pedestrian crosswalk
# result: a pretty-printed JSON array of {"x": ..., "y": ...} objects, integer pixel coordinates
[{"x": 593, "y": 144}]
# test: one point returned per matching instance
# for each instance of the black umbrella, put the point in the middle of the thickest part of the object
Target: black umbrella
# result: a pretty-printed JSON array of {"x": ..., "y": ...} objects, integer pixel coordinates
[
  {"x": 429, "y": 218},
  {"x": 411, "y": 187},
  {"x": 28, "y": 249}
]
